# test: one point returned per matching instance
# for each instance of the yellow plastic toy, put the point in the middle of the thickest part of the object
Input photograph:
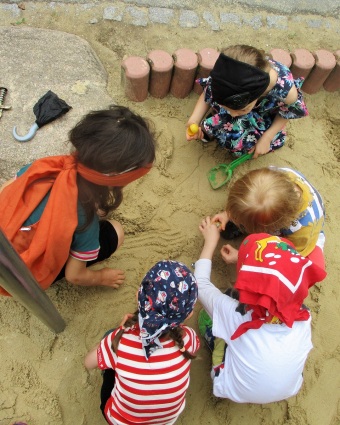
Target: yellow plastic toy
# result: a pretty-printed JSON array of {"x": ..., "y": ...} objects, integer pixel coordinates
[{"x": 193, "y": 129}]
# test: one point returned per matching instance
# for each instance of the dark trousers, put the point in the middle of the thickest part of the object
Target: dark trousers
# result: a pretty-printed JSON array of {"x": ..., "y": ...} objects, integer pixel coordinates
[
  {"x": 107, "y": 387},
  {"x": 108, "y": 240}
]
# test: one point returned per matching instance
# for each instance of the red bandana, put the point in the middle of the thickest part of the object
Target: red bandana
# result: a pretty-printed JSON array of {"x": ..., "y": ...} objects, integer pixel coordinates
[{"x": 273, "y": 281}]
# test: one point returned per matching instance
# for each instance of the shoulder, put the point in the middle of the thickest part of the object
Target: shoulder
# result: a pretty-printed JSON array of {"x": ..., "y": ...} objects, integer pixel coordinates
[
  {"x": 284, "y": 84},
  {"x": 292, "y": 95},
  {"x": 23, "y": 169},
  {"x": 190, "y": 339}
]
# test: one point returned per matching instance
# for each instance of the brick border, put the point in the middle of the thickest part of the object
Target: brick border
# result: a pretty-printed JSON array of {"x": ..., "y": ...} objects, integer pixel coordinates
[{"x": 321, "y": 69}]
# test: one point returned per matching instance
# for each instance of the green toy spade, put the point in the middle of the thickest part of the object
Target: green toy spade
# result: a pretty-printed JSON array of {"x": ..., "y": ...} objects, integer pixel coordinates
[{"x": 222, "y": 173}]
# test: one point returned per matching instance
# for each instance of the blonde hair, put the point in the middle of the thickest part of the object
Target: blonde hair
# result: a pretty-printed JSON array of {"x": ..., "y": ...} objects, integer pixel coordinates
[
  {"x": 263, "y": 200},
  {"x": 248, "y": 54}
]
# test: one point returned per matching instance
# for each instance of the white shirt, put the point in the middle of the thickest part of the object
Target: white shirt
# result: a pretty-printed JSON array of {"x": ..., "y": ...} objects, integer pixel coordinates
[{"x": 262, "y": 365}]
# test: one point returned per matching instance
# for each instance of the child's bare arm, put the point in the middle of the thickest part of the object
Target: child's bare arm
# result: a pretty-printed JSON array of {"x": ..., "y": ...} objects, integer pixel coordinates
[
  {"x": 77, "y": 273},
  {"x": 91, "y": 358},
  {"x": 263, "y": 145},
  {"x": 201, "y": 108},
  {"x": 211, "y": 236}
]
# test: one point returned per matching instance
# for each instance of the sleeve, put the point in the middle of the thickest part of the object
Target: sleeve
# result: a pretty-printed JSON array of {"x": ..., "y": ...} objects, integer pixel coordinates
[
  {"x": 85, "y": 243},
  {"x": 22, "y": 170},
  {"x": 191, "y": 340},
  {"x": 205, "y": 83},
  {"x": 207, "y": 291},
  {"x": 295, "y": 110},
  {"x": 220, "y": 307},
  {"x": 106, "y": 357}
]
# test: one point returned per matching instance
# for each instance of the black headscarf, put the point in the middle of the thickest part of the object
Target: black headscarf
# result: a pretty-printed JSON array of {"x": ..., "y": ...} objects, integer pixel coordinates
[{"x": 235, "y": 84}]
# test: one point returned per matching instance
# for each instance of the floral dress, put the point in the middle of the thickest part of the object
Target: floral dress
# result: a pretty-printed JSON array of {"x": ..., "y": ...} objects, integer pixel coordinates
[{"x": 240, "y": 134}]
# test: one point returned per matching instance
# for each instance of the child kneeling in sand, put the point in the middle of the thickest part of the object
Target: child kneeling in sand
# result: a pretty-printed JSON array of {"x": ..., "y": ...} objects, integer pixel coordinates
[
  {"x": 251, "y": 99},
  {"x": 146, "y": 360},
  {"x": 279, "y": 201},
  {"x": 55, "y": 212},
  {"x": 267, "y": 333}
]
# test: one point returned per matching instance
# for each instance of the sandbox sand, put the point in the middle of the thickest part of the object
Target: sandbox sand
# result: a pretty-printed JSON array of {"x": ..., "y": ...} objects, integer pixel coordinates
[{"x": 43, "y": 380}]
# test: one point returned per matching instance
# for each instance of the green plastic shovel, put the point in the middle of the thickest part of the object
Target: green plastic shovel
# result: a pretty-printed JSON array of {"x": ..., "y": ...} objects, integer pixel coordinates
[{"x": 222, "y": 173}]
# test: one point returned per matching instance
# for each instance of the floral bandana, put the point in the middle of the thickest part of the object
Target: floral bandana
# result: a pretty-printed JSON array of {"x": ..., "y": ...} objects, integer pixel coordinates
[
  {"x": 273, "y": 280},
  {"x": 166, "y": 297}
]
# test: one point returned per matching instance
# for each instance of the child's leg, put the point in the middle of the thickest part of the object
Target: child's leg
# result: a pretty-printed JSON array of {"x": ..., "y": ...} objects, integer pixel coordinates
[
  {"x": 107, "y": 387},
  {"x": 231, "y": 231},
  {"x": 216, "y": 345},
  {"x": 111, "y": 237},
  {"x": 278, "y": 141},
  {"x": 317, "y": 257}
]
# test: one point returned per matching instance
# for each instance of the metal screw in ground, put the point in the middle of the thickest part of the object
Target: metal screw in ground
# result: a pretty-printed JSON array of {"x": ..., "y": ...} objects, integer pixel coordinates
[{"x": 3, "y": 92}]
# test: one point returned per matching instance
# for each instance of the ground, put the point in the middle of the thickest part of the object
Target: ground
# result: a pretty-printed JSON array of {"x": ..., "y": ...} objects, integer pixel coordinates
[{"x": 43, "y": 378}]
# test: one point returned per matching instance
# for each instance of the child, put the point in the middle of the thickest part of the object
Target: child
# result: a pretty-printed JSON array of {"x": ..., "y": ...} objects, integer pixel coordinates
[
  {"x": 50, "y": 211},
  {"x": 251, "y": 98},
  {"x": 146, "y": 362},
  {"x": 267, "y": 333},
  {"x": 279, "y": 201}
]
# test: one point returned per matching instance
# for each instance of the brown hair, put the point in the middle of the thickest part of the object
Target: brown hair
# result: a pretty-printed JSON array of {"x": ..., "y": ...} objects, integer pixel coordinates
[
  {"x": 248, "y": 54},
  {"x": 176, "y": 334},
  {"x": 111, "y": 140},
  {"x": 263, "y": 200}
]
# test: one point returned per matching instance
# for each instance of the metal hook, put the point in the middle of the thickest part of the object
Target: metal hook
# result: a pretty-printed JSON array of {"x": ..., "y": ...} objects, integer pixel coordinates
[{"x": 28, "y": 136}]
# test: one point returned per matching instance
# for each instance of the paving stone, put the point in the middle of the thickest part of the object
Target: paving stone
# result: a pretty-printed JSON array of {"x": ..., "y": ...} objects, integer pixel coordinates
[
  {"x": 112, "y": 13},
  {"x": 210, "y": 19},
  {"x": 230, "y": 18},
  {"x": 280, "y": 22},
  {"x": 159, "y": 15},
  {"x": 189, "y": 19},
  {"x": 139, "y": 16}
]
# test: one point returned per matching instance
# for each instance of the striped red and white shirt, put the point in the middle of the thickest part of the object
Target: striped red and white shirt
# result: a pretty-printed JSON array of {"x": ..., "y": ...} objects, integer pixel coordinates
[{"x": 146, "y": 391}]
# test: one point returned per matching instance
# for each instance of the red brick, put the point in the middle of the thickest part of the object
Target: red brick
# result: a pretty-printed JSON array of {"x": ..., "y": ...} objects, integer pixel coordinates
[
  {"x": 332, "y": 82},
  {"x": 324, "y": 64},
  {"x": 185, "y": 68},
  {"x": 161, "y": 64},
  {"x": 206, "y": 61},
  {"x": 303, "y": 62},
  {"x": 281, "y": 56},
  {"x": 135, "y": 77}
]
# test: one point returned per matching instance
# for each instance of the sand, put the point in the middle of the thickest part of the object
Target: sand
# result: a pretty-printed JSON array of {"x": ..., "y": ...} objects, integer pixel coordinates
[{"x": 43, "y": 380}]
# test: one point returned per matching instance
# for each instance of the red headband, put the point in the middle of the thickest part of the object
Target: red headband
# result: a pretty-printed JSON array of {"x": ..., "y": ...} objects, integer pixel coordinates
[{"x": 118, "y": 180}]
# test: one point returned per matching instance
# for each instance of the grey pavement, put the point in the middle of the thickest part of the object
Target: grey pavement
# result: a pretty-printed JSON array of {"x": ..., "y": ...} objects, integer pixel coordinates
[
  {"x": 214, "y": 15},
  {"x": 287, "y": 7}
]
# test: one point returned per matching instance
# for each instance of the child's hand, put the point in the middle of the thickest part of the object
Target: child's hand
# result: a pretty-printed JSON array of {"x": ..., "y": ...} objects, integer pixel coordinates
[
  {"x": 211, "y": 236},
  {"x": 262, "y": 147},
  {"x": 229, "y": 254},
  {"x": 193, "y": 131},
  {"x": 209, "y": 230},
  {"x": 222, "y": 219},
  {"x": 127, "y": 317},
  {"x": 112, "y": 277}
]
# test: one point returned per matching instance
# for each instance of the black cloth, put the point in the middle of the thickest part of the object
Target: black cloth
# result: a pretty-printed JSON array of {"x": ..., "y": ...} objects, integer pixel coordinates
[
  {"x": 107, "y": 387},
  {"x": 235, "y": 84}
]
